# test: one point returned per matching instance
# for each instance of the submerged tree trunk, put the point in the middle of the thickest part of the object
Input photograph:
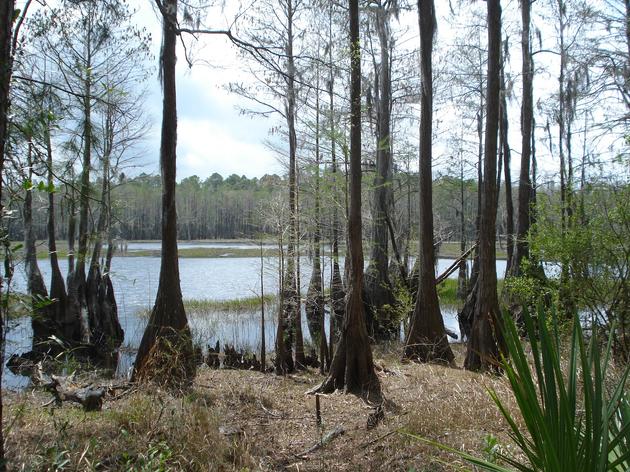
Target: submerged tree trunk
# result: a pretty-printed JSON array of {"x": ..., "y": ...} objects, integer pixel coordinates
[
  {"x": 59, "y": 314},
  {"x": 352, "y": 367},
  {"x": 105, "y": 330},
  {"x": 315, "y": 294},
  {"x": 291, "y": 300},
  {"x": 337, "y": 295},
  {"x": 378, "y": 288},
  {"x": 486, "y": 338},
  {"x": 426, "y": 340},
  {"x": 509, "y": 204},
  {"x": 41, "y": 321},
  {"x": 166, "y": 350}
]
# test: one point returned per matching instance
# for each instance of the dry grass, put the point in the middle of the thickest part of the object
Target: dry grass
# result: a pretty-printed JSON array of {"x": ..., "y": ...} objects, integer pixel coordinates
[{"x": 243, "y": 420}]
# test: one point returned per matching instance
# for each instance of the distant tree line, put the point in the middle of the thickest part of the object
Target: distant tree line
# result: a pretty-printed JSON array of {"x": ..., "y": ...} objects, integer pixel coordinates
[{"x": 239, "y": 207}]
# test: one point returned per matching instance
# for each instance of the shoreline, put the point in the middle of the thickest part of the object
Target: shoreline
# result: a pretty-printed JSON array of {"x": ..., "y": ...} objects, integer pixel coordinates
[{"x": 448, "y": 250}]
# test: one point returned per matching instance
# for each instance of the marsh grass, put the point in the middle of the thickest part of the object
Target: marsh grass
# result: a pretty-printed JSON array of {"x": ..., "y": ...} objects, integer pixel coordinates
[
  {"x": 235, "y": 305},
  {"x": 201, "y": 307},
  {"x": 447, "y": 293}
]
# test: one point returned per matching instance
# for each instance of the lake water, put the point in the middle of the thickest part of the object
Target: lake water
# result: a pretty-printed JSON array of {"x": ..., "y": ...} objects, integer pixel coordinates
[{"x": 135, "y": 281}]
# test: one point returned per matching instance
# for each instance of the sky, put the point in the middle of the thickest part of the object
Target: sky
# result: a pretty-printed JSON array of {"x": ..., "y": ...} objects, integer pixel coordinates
[{"x": 213, "y": 135}]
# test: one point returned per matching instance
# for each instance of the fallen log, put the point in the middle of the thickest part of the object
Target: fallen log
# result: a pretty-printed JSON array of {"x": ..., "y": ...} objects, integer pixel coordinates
[
  {"x": 442, "y": 277},
  {"x": 62, "y": 389},
  {"x": 451, "y": 333}
]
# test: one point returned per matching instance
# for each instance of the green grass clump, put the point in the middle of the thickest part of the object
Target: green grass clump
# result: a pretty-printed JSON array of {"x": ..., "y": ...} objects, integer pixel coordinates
[
  {"x": 236, "y": 305},
  {"x": 447, "y": 292}
]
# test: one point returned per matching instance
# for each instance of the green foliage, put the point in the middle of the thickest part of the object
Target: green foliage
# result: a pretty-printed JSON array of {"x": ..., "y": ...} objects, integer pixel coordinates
[
  {"x": 156, "y": 459},
  {"x": 591, "y": 255},
  {"x": 530, "y": 289},
  {"x": 572, "y": 420},
  {"x": 447, "y": 292},
  {"x": 491, "y": 449},
  {"x": 575, "y": 419},
  {"x": 58, "y": 459}
]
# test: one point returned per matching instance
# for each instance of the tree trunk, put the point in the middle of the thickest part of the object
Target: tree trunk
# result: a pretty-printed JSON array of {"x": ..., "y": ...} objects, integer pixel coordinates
[
  {"x": 352, "y": 367},
  {"x": 284, "y": 358},
  {"x": 466, "y": 315},
  {"x": 509, "y": 204},
  {"x": 77, "y": 285},
  {"x": 426, "y": 340},
  {"x": 63, "y": 324},
  {"x": 300, "y": 360},
  {"x": 263, "y": 342},
  {"x": 315, "y": 294},
  {"x": 291, "y": 307},
  {"x": 462, "y": 276},
  {"x": 166, "y": 350},
  {"x": 105, "y": 330},
  {"x": 72, "y": 226},
  {"x": 486, "y": 338},
  {"x": 566, "y": 297},
  {"x": 40, "y": 319},
  {"x": 521, "y": 250},
  {"x": 6, "y": 29},
  {"x": 378, "y": 288},
  {"x": 337, "y": 295}
]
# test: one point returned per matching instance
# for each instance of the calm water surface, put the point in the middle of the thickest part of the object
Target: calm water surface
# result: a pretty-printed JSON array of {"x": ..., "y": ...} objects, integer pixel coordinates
[{"x": 135, "y": 282}]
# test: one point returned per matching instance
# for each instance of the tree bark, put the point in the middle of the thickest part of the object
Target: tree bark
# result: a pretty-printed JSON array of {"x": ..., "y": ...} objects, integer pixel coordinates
[
  {"x": 77, "y": 284},
  {"x": 378, "y": 288},
  {"x": 263, "y": 346},
  {"x": 507, "y": 157},
  {"x": 426, "y": 339},
  {"x": 315, "y": 294},
  {"x": 72, "y": 226},
  {"x": 41, "y": 321},
  {"x": 291, "y": 307},
  {"x": 6, "y": 34},
  {"x": 337, "y": 295},
  {"x": 105, "y": 330},
  {"x": 462, "y": 276},
  {"x": 58, "y": 294},
  {"x": 166, "y": 350},
  {"x": 284, "y": 359},
  {"x": 521, "y": 249},
  {"x": 352, "y": 367},
  {"x": 486, "y": 338}
]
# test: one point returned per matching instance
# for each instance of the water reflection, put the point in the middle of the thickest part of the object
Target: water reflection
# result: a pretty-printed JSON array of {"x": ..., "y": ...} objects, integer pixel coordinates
[{"x": 135, "y": 281}]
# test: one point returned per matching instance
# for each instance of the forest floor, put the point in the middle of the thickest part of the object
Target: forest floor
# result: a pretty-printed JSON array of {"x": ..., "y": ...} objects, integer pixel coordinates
[{"x": 245, "y": 420}]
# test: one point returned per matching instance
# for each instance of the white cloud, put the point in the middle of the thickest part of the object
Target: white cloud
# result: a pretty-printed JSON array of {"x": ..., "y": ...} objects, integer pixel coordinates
[{"x": 206, "y": 146}]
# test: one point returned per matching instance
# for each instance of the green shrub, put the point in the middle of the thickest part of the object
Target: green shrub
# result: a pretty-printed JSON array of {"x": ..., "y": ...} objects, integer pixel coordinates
[{"x": 573, "y": 420}]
